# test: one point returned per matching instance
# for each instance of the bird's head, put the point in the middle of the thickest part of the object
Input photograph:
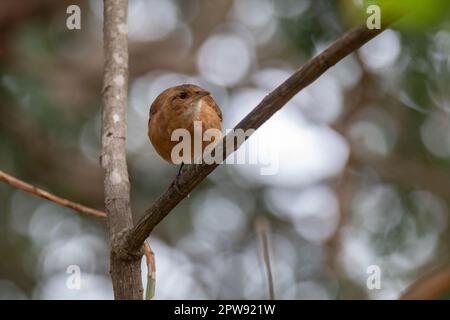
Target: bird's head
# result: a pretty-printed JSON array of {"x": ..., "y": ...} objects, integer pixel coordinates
[{"x": 182, "y": 96}]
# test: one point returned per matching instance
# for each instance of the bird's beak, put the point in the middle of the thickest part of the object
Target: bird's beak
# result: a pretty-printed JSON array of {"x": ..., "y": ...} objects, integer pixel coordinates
[{"x": 202, "y": 94}]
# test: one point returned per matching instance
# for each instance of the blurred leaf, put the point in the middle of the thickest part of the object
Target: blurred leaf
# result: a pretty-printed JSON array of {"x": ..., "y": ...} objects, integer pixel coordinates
[{"x": 417, "y": 15}]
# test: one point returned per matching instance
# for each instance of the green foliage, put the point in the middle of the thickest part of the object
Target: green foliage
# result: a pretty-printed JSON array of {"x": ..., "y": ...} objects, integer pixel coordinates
[{"x": 418, "y": 14}]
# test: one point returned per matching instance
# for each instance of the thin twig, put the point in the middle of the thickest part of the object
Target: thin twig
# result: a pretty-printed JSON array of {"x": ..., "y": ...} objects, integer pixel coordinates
[
  {"x": 194, "y": 174},
  {"x": 151, "y": 271},
  {"x": 19, "y": 184},
  {"x": 262, "y": 228}
]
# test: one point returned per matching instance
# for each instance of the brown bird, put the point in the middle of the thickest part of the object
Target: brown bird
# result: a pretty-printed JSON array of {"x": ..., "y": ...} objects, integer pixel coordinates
[{"x": 178, "y": 108}]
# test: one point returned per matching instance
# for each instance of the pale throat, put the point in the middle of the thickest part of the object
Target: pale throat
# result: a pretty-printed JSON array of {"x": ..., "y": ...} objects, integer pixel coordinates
[{"x": 194, "y": 110}]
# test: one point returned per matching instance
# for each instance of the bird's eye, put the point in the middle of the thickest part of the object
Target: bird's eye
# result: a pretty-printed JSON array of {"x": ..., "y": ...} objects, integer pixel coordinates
[{"x": 183, "y": 95}]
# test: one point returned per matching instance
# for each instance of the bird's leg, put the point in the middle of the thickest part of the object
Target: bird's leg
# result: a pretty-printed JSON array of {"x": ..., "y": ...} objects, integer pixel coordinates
[
  {"x": 179, "y": 171},
  {"x": 175, "y": 181}
]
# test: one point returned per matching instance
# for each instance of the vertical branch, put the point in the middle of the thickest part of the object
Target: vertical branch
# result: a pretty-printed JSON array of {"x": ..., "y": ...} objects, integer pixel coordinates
[
  {"x": 151, "y": 268},
  {"x": 125, "y": 269},
  {"x": 262, "y": 228}
]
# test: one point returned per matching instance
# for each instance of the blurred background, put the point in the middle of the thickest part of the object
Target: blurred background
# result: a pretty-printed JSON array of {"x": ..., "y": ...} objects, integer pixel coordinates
[{"x": 362, "y": 154}]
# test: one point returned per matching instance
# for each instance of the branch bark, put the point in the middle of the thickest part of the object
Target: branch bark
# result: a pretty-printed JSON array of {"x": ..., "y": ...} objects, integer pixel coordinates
[
  {"x": 21, "y": 185},
  {"x": 125, "y": 268},
  {"x": 194, "y": 174}
]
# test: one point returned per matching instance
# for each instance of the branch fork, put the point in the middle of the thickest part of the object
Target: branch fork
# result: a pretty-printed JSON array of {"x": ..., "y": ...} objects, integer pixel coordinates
[{"x": 120, "y": 244}]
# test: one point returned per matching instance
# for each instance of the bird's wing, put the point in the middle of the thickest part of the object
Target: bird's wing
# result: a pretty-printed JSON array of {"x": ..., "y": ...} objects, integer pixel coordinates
[{"x": 214, "y": 105}]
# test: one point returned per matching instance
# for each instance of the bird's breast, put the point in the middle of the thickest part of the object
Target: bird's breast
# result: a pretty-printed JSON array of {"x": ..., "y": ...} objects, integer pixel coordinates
[{"x": 170, "y": 119}]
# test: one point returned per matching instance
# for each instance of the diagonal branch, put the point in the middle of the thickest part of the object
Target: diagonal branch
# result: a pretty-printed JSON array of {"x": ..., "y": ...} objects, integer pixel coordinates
[
  {"x": 194, "y": 174},
  {"x": 22, "y": 185},
  {"x": 434, "y": 285}
]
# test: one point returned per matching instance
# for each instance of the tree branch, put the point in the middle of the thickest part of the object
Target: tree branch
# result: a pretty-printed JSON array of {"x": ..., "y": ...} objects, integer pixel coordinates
[
  {"x": 125, "y": 268},
  {"x": 431, "y": 286},
  {"x": 22, "y": 185},
  {"x": 262, "y": 228},
  {"x": 194, "y": 174},
  {"x": 151, "y": 271}
]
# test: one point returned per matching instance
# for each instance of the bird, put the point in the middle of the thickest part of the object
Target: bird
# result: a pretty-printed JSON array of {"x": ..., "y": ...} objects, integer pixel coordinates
[{"x": 179, "y": 107}]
